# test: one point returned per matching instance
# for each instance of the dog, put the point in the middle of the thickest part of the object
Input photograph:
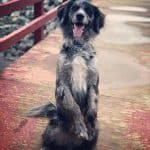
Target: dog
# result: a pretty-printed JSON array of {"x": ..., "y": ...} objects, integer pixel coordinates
[{"x": 73, "y": 121}]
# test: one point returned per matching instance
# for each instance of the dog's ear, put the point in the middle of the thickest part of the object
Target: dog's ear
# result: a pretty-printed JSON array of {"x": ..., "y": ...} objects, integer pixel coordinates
[
  {"x": 98, "y": 21},
  {"x": 63, "y": 12}
]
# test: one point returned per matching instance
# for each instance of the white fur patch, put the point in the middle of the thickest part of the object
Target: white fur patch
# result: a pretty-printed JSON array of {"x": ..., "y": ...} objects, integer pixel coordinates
[{"x": 79, "y": 74}]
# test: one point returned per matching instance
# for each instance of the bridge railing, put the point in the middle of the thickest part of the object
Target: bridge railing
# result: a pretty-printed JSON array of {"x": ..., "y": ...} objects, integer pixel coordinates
[{"x": 36, "y": 25}]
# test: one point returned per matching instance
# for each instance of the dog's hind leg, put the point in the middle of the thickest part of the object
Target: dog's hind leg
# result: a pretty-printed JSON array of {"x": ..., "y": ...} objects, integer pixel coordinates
[{"x": 56, "y": 138}]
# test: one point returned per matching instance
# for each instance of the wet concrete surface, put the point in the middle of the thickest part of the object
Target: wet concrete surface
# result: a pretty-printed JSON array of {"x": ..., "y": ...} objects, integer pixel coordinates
[
  {"x": 125, "y": 76},
  {"x": 124, "y": 61}
]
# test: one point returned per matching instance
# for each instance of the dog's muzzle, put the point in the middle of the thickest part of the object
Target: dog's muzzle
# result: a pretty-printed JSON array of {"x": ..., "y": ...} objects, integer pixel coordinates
[{"x": 79, "y": 23}]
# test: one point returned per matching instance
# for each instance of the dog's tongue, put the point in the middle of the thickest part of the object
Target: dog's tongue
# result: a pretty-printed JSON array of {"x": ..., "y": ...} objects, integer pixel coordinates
[{"x": 78, "y": 30}]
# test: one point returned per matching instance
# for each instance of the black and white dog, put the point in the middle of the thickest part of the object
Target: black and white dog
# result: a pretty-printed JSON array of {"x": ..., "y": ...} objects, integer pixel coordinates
[{"x": 73, "y": 123}]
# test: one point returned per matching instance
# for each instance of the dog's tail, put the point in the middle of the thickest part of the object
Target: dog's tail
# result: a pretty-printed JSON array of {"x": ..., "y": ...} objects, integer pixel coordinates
[{"x": 48, "y": 110}]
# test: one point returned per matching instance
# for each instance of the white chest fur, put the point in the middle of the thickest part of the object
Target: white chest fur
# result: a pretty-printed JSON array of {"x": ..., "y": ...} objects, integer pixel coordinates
[{"x": 79, "y": 74}]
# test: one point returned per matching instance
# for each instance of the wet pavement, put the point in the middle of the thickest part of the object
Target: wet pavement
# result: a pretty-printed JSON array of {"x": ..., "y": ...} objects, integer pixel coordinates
[
  {"x": 124, "y": 63},
  {"x": 125, "y": 76}
]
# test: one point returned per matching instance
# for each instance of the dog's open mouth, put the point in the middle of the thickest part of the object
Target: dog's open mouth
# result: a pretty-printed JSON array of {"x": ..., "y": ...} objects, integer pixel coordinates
[{"x": 78, "y": 30}]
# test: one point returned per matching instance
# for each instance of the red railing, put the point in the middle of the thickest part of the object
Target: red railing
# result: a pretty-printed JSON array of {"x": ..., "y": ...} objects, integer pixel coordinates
[{"x": 36, "y": 25}]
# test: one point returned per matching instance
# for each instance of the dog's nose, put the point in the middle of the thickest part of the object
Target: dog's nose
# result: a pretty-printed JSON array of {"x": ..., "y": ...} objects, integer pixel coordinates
[{"x": 79, "y": 17}]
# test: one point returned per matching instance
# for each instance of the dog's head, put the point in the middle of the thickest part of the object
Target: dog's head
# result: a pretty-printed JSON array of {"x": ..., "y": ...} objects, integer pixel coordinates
[{"x": 80, "y": 19}]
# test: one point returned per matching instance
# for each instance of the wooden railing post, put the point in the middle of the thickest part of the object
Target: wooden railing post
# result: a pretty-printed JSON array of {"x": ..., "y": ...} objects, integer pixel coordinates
[
  {"x": 38, "y": 11},
  {"x": 36, "y": 25}
]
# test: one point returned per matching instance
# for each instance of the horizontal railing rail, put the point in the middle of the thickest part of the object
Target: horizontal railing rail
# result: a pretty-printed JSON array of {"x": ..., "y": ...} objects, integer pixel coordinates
[
  {"x": 14, "y": 5},
  {"x": 36, "y": 25}
]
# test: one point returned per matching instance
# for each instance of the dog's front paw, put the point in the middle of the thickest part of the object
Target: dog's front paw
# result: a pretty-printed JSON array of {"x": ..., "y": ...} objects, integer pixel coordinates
[
  {"x": 92, "y": 133},
  {"x": 91, "y": 115},
  {"x": 81, "y": 130}
]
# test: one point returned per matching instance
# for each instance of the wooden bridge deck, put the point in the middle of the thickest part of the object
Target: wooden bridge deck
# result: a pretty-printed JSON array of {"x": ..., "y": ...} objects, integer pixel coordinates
[{"x": 124, "y": 106}]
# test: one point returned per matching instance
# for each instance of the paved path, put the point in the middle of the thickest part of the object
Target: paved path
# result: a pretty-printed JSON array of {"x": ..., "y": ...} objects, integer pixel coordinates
[
  {"x": 124, "y": 106},
  {"x": 123, "y": 52}
]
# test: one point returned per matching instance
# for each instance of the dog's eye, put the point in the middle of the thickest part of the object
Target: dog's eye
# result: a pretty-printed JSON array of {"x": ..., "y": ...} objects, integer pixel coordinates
[
  {"x": 89, "y": 11},
  {"x": 75, "y": 8}
]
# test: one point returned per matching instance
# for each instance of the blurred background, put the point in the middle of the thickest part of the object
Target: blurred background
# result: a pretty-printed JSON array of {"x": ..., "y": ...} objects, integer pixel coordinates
[
  {"x": 16, "y": 20},
  {"x": 123, "y": 50}
]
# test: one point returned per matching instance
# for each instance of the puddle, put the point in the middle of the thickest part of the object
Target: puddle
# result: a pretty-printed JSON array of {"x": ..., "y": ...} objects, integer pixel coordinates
[
  {"x": 117, "y": 31},
  {"x": 129, "y": 8}
]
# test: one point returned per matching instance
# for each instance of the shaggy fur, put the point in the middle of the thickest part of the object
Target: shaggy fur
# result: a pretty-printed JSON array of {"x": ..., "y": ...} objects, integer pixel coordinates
[{"x": 73, "y": 123}]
